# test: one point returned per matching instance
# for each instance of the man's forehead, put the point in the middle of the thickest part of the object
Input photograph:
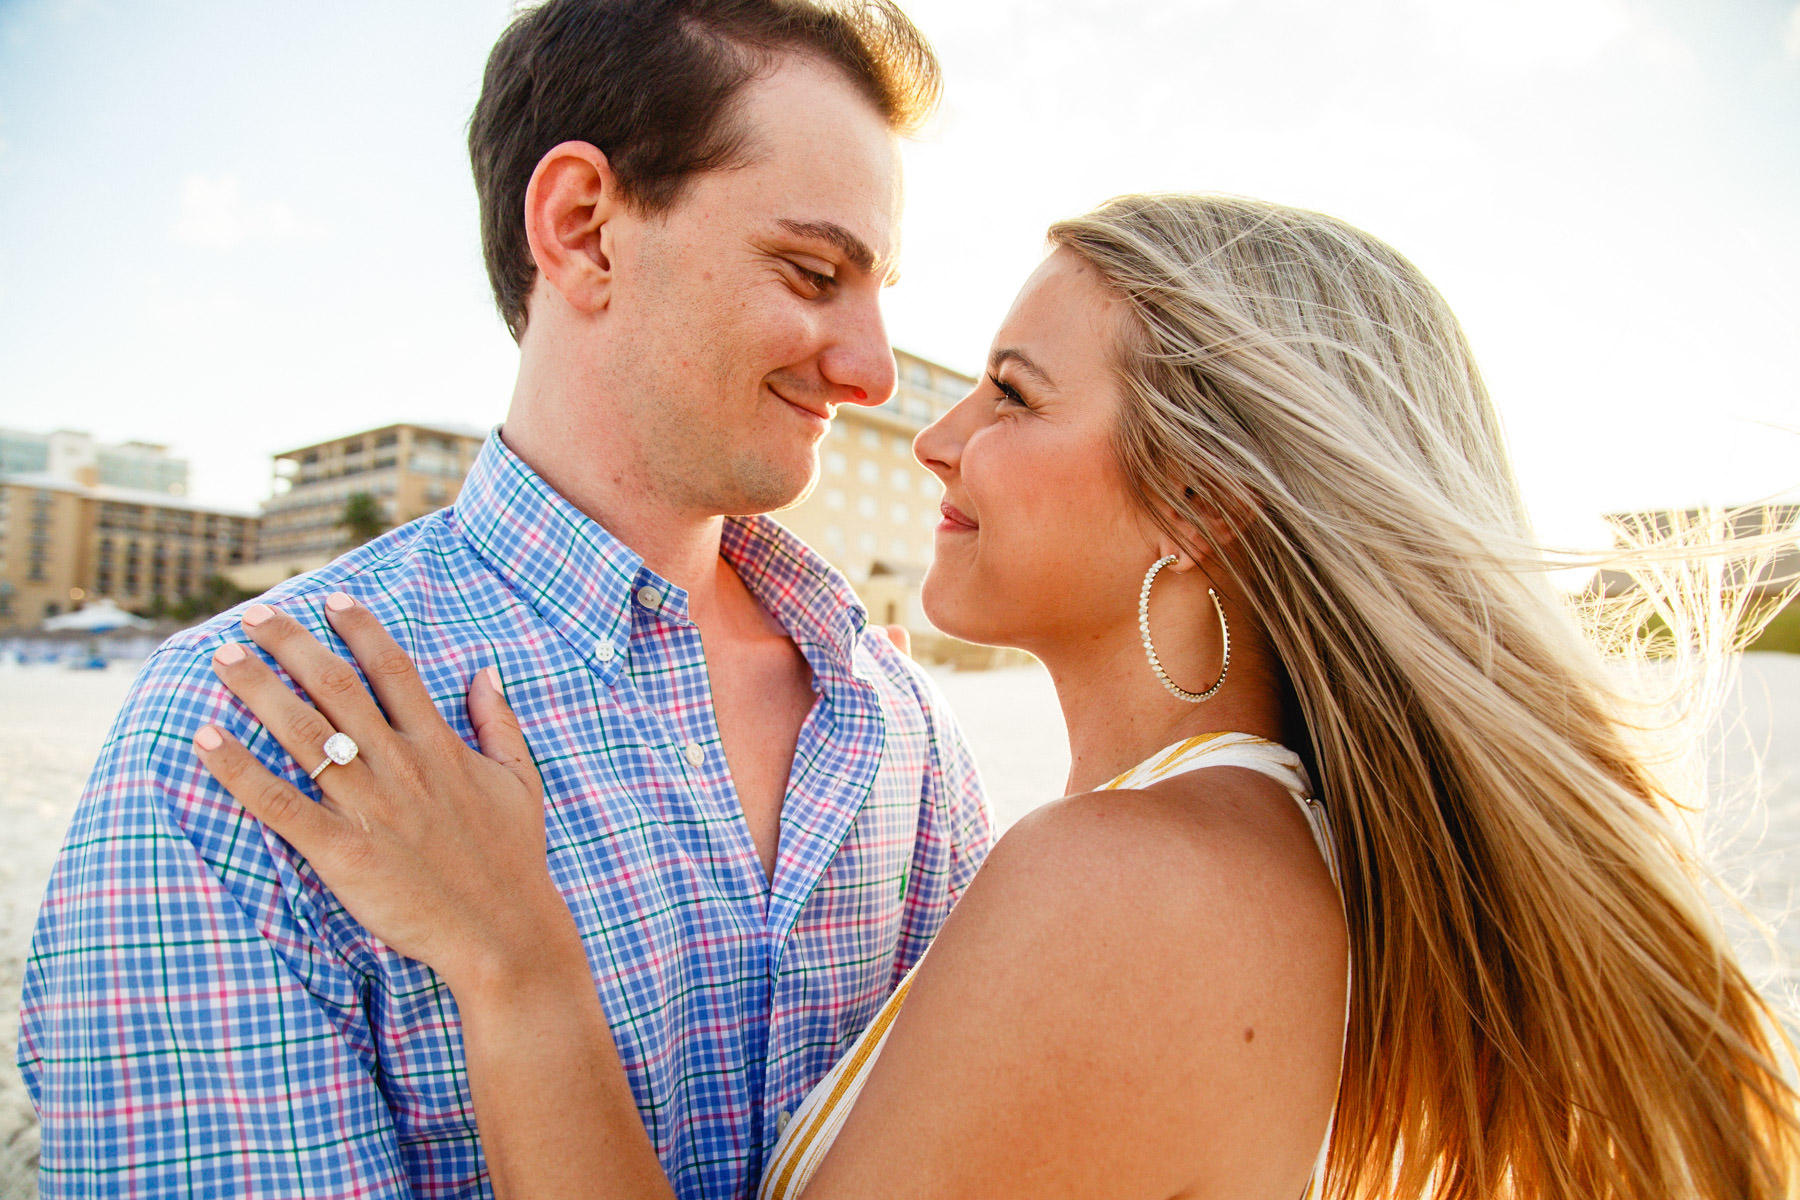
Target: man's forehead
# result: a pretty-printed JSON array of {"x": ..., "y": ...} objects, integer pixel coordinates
[{"x": 828, "y": 158}]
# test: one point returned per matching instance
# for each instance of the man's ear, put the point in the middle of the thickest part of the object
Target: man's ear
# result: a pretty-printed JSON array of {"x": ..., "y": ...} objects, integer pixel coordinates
[{"x": 571, "y": 205}]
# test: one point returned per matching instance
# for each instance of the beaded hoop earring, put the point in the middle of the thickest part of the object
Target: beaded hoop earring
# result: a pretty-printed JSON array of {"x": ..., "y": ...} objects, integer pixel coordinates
[{"x": 1150, "y": 647}]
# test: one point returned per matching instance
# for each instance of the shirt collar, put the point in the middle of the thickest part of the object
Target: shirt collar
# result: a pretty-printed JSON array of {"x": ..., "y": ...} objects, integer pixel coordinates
[
  {"x": 581, "y": 580},
  {"x": 813, "y": 602}
]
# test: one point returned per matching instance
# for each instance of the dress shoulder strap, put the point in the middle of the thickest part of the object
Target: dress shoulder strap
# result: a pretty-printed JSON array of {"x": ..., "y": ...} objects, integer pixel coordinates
[{"x": 1230, "y": 749}]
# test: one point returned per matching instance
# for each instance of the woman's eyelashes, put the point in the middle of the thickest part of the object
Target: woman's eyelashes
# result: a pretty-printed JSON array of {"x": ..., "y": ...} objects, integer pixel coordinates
[{"x": 1009, "y": 395}]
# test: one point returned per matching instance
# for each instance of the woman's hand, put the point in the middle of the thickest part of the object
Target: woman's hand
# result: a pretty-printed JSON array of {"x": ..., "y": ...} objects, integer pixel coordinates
[{"x": 437, "y": 850}]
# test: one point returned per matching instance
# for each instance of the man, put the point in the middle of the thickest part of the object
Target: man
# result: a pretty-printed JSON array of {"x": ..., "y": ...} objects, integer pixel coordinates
[{"x": 757, "y": 812}]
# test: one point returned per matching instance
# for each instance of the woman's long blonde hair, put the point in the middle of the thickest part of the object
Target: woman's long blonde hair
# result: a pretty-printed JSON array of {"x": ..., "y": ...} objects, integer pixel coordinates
[{"x": 1542, "y": 1002}]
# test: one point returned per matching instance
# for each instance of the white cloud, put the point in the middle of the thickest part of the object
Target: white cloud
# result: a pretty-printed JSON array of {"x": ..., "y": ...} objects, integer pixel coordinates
[
  {"x": 215, "y": 214},
  {"x": 1791, "y": 43}
]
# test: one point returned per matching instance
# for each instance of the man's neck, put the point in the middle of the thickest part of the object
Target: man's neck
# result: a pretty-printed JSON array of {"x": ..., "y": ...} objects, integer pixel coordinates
[{"x": 681, "y": 547}]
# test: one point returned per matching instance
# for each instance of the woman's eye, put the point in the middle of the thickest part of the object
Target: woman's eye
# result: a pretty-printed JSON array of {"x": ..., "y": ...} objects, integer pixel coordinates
[{"x": 1008, "y": 393}]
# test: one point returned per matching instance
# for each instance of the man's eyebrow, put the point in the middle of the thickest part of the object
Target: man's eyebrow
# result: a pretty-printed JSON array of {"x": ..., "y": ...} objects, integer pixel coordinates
[
  {"x": 1021, "y": 362},
  {"x": 852, "y": 247}
]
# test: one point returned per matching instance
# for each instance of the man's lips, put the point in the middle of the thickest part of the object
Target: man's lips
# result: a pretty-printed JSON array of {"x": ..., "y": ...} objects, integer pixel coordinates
[
  {"x": 822, "y": 409},
  {"x": 955, "y": 520}
]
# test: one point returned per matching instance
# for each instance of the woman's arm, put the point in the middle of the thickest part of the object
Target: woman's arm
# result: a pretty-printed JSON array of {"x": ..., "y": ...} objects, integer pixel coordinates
[
  {"x": 440, "y": 852},
  {"x": 556, "y": 1113}
]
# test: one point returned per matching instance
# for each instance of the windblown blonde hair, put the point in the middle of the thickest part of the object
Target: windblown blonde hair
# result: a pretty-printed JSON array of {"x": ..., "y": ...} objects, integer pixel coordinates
[{"x": 1542, "y": 1003}]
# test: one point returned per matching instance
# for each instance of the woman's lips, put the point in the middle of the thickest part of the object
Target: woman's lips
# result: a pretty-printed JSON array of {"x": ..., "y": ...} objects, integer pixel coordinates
[{"x": 954, "y": 520}]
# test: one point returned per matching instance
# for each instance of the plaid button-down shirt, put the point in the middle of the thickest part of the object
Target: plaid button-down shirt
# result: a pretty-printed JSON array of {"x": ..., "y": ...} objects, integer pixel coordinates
[{"x": 201, "y": 1017}]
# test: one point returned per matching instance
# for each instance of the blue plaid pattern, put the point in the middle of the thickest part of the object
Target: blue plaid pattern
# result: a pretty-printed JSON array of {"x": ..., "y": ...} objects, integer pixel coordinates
[{"x": 201, "y": 1017}]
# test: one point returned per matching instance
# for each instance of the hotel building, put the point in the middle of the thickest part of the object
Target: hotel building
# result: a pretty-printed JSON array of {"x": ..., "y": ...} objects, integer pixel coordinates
[
  {"x": 81, "y": 519},
  {"x": 409, "y": 469}
]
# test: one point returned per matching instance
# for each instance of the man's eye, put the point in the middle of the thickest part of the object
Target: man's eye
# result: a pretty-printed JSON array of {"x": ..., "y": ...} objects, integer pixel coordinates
[{"x": 817, "y": 280}]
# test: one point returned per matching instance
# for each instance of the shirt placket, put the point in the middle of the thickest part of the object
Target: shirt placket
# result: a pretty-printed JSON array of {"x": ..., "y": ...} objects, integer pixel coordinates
[{"x": 669, "y": 671}]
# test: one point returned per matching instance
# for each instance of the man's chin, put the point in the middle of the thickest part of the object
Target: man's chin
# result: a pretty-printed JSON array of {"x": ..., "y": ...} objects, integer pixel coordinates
[
  {"x": 768, "y": 487},
  {"x": 800, "y": 497}
]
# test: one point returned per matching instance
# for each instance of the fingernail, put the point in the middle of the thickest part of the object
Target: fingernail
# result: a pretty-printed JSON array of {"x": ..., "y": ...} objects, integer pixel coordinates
[
  {"x": 208, "y": 738},
  {"x": 338, "y": 602},
  {"x": 256, "y": 614},
  {"x": 229, "y": 653},
  {"x": 493, "y": 678}
]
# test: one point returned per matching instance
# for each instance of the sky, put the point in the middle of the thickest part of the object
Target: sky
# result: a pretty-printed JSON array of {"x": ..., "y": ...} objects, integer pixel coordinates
[{"x": 237, "y": 226}]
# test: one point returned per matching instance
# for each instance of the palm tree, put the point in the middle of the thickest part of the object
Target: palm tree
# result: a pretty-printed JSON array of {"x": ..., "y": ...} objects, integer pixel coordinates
[{"x": 362, "y": 518}]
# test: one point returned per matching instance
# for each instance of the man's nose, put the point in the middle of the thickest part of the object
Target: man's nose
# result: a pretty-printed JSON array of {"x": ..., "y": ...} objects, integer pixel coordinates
[{"x": 860, "y": 361}]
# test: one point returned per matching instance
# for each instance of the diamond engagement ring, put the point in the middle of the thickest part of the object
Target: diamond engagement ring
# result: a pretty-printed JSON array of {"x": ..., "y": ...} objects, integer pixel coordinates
[{"x": 339, "y": 749}]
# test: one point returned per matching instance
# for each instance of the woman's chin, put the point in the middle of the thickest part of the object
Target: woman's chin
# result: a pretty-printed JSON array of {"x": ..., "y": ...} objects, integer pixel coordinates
[{"x": 957, "y": 611}]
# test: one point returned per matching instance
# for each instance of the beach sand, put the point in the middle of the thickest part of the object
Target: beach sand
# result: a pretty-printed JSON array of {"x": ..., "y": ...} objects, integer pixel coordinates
[{"x": 52, "y": 722}]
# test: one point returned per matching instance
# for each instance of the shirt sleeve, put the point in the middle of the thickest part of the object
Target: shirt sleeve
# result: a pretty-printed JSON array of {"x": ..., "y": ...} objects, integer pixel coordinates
[{"x": 186, "y": 1027}]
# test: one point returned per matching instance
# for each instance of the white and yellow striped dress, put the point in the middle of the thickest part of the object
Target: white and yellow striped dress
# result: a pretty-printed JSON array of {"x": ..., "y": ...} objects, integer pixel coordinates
[{"x": 814, "y": 1126}]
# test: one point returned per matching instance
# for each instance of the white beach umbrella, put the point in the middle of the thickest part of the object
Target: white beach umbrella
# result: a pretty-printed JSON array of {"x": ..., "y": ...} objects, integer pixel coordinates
[{"x": 97, "y": 617}]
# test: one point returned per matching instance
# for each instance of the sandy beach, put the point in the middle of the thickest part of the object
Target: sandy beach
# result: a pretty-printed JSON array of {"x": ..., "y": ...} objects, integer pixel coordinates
[{"x": 52, "y": 722}]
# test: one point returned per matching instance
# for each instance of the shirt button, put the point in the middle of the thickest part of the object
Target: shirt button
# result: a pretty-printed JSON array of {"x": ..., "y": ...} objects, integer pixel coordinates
[
  {"x": 781, "y": 1121},
  {"x": 604, "y": 651},
  {"x": 695, "y": 754},
  {"x": 649, "y": 597}
]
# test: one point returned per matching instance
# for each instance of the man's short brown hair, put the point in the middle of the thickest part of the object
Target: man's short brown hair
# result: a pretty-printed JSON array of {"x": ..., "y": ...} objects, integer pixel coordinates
[{"x": 653, "y": 84}]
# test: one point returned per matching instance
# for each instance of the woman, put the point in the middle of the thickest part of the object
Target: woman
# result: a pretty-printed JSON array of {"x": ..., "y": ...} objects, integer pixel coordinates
[{"x": 1234, "y": 479}]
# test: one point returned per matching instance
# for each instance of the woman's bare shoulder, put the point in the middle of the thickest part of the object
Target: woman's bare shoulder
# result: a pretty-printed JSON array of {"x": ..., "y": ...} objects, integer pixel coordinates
[
  {"x": 1226, "y": 846},
  {"x": 1126, "y": 995}
]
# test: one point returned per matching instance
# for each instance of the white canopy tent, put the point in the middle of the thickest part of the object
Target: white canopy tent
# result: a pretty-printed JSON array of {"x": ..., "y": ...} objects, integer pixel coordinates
[{"x": 98, "y": 617}]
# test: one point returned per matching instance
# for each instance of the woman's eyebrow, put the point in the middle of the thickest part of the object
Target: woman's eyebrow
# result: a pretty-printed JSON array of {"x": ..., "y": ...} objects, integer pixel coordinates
[{"x": 1021, "y": 362}]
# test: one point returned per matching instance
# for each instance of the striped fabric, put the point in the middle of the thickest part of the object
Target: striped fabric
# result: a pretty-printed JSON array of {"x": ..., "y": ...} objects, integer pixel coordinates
[
  {"x": 202, "y": 1018},
  {"x": 816, "y": 1123}
]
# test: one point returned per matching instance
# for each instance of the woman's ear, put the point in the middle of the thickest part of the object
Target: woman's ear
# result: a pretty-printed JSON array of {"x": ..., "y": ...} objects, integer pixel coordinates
[
  {"x": 571, "y": 206},
  {"x": 1209, "y": 523},
  {"x": 1226, "y": 514}
]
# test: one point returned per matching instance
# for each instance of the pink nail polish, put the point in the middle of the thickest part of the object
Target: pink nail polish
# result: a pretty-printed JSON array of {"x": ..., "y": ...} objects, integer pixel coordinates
[
  {"x": 208, "y": 738},
  {"x": 339, "y": 602},
  {"x": 256, "y": 614},
  {"x": 229, "y": 653}
]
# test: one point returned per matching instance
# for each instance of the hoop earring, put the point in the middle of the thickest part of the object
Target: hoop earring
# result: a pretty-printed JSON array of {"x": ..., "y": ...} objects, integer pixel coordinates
[{"x": 1150, "y": 647}]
